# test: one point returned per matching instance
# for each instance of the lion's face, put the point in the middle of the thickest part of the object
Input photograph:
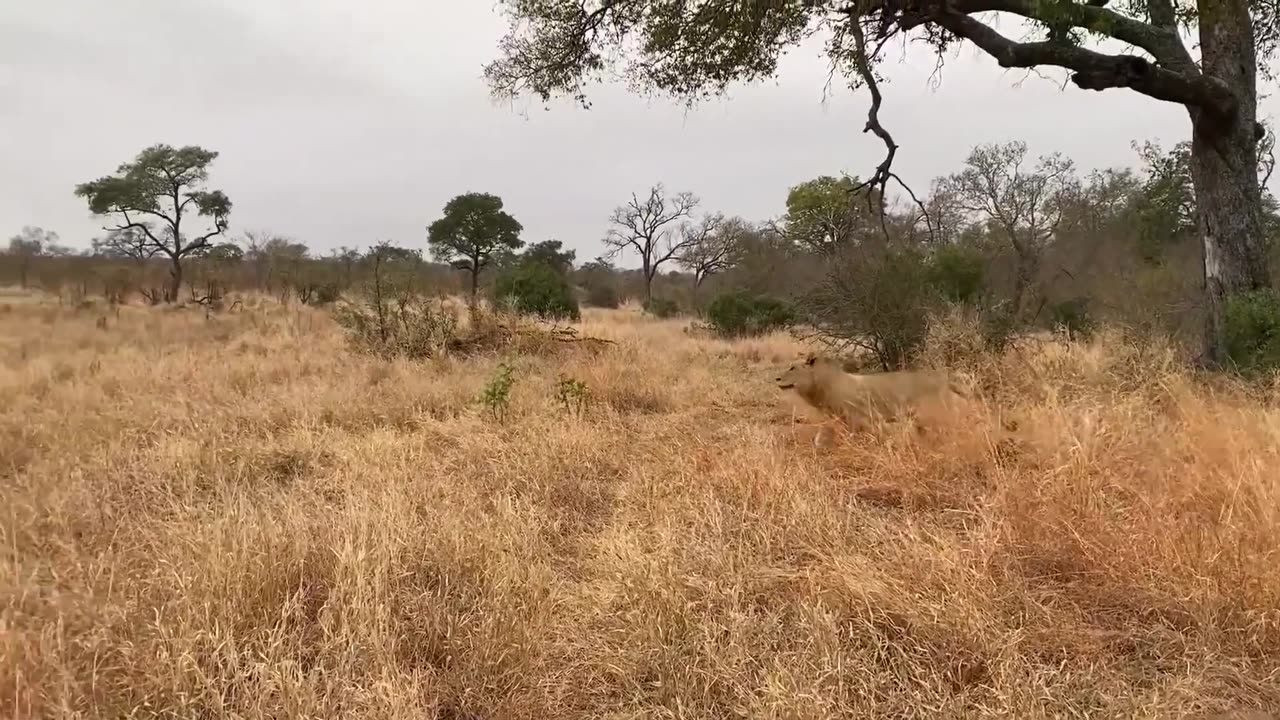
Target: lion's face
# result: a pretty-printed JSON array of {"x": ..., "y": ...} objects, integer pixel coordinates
[{"x": 799, "y": 375}]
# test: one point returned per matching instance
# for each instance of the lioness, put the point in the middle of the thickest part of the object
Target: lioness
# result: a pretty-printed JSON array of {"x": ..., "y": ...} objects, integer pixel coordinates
[{"x": 860, "y": 399}]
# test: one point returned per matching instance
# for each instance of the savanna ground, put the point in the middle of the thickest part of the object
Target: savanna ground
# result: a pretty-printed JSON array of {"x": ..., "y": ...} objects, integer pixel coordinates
[{"x": 235, "y": 516}]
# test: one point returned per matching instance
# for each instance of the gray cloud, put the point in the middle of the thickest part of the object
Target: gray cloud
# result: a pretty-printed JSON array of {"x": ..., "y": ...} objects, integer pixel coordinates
[{"x": 342, "y": 123}]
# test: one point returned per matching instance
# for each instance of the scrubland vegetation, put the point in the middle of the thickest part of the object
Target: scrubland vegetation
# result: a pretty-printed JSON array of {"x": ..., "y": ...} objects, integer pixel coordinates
[
  {"x": 243, "y": 479},
  {"x": 239, "y": 514},
  {"x": 246, "y": 478}
]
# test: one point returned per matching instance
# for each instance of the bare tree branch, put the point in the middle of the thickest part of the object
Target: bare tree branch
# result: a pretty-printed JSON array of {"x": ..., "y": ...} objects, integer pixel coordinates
[
  {"x": 645, "y": 226},
  {"x": 877, "y": 184},
  {"x": 714, "y": 242}
]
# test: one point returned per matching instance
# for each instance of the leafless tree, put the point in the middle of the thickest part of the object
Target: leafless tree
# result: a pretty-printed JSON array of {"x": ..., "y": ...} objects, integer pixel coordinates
[
  {"x": 128, "y": 243},
  {"x": 714, "y": 246},
  {"x": 648, "y": 226},
  {"x": 1022, "y": 204}
]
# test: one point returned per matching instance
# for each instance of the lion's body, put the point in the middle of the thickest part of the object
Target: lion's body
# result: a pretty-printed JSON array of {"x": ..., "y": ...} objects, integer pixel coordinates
[{"x": 863, "y": 399}]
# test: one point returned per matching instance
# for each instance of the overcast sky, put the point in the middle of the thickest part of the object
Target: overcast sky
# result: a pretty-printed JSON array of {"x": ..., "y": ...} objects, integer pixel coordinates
[{"x": 343, "y": 122}]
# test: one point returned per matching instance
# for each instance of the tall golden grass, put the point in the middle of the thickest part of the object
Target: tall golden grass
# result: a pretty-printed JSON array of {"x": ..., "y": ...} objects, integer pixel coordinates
[{"x": 234, "y": 516}]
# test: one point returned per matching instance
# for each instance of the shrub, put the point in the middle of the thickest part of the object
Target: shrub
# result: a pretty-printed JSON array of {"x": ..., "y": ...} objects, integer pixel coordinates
[
  {"x": 535, "y": 288},
  {"x": 496, "y": 396},
  {"x": 1072, "y": 317},
  {"x": 573, "y": 394},
  {"x": 603, "y": 296},
  {"x": 408, "y": 328},
  {"x": 661, "y": 307},
  {"x": 957, "y": 273},
  {"x": 998, "y": 325},
  {"x": 739, "y": 314},
  {"x": 317, "y": 293},
  {"x": 1253, "y": 330},
  {"x": 876, "y": 300},
  {"x": 326, "y": 294}
]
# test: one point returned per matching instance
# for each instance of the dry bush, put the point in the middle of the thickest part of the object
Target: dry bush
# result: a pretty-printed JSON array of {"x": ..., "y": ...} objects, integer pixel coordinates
[{"x": 240, "y": 517}]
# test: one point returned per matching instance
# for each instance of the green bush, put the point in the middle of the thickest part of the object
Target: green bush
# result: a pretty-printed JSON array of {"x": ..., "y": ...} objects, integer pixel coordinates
[
  {"x": 1072, "y": 316},
  {"x": 603, "y": 296},
  {"x": 957, "y": 273},
  {"x": 662, "y": 307},
  {"x": 739, "y": 314},
  {"x": 496, "y": 396},
  {"x": 1253, "y": 330},
  {"x": 535, "y": 288}
]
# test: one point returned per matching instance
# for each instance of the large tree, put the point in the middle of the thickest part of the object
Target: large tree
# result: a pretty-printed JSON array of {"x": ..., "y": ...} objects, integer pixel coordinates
[
  {"x": 649, "y": 227},
  {"x": 473, "y": 228},
  {"x": 697, "y": 48},
  {"x": 154, "y": 195},
  {"x": 819, "y": 215},
  {"x": 1019, "y": 202}
]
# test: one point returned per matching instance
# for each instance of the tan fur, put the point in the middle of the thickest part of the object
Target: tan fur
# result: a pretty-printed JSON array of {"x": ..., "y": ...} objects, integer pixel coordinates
[{"x": 863, "y": 399}]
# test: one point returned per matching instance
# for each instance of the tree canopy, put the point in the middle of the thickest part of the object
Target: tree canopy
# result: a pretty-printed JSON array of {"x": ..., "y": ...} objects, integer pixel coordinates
[
  {"x": 820, "y": 216},
  {"x": 552, "y": 254},
  {"x": 473, "y": 228},
  {"x": 153, "y": 194}
]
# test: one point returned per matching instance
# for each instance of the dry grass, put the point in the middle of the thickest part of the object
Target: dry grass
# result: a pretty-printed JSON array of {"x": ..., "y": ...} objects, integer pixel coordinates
[{"x": 234, "y": 517}]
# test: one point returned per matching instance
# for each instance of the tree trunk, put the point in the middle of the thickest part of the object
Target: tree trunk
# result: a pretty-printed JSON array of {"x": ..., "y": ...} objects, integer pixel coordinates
[
  {"x": 1224, "y": 172},
  {"x": 1028, "y": 266},
  {"x": 475, "y": 282},
  {"x": 175, "y": 281}
]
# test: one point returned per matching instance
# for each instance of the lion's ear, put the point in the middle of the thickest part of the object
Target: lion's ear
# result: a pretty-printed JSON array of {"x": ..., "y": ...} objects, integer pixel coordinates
[{"x": 810, "y": 360}]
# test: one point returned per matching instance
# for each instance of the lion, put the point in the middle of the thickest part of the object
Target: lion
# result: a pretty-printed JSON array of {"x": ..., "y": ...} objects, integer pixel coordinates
[{"x": 861, "y": 400}]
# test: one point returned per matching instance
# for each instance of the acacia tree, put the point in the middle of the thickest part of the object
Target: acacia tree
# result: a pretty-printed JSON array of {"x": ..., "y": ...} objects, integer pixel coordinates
[
  {"x": 474, "y": 227},
  {"x": 1022, "y": 204},
  {"x": 154, "y": 194},
  {"x": 647, "y": 226},
  {"x": 697, "y": 48}
]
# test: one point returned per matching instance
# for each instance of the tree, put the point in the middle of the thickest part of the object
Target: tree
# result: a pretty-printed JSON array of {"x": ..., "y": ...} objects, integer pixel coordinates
[
  {"x": 154, "y": 194},
  {"x": 825, "y": 214},
  {"x": 646, "y": 226},
  {"x": 536, "y": 287},
  {"x": 395, "y": 254},
  {"x": 225, "y": 253},
  {"x": 1166, "y": 205},
  {"x": 346, "y": 258},
  {"x": 551, "y": 254},
  {"x": 273, "y": 256},
  {"x": 1023, "y": 205},
  {"x": 31, "y": 243},
  {"x": 127, "y": 243},
  {"x": 712, "y": 248},
  {"x": 696, "y": 49},
  {"x": 473, "y": 228}
]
